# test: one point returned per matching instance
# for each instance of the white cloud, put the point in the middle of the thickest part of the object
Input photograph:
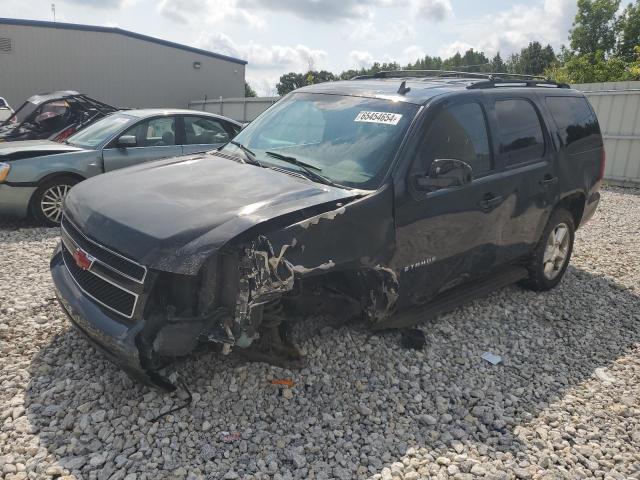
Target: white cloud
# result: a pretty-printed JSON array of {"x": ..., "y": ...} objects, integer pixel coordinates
[
  {"x": 361, "y": 59},
  {"x": 515, "y": 27},
  {"x": 325, "y": 10},
  {"x": 98, "y": 3},
  {"x": 436, "y": 10},
  {"x": 392, "y": 32},
  {"x": 274, "y": 57},
  {"x": 211, "y": 11},
  {"x": 338, "y": 10},
  {"x": 412, "y": 53},
  {"x": 455, "y": 47}
]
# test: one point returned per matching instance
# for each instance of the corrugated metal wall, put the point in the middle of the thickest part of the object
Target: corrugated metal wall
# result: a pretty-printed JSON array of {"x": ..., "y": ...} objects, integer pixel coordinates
[
  {"x": 617, "y": 105},
  {"x": 120, "y": 70},
  {"x": 240, "y": 109}
]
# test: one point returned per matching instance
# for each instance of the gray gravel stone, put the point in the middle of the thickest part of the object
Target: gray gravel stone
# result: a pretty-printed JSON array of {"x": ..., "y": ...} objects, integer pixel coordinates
[{"x": 563, "y": 404}]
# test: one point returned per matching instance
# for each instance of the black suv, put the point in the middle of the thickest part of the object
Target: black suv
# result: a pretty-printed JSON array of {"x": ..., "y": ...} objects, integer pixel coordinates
[{"x": 392, "y": 197}]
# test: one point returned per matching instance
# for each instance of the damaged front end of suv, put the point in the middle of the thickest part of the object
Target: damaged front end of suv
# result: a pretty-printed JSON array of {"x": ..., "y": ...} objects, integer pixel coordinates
[
  {"x": 234, "y": 297},
  {"x": 159, "y": 259}
]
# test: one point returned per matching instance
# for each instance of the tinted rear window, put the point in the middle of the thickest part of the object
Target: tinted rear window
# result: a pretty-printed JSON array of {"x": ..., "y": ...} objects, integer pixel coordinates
[
  {"x": 577, "y": 125},
  {"x": 521, "y": 137}
]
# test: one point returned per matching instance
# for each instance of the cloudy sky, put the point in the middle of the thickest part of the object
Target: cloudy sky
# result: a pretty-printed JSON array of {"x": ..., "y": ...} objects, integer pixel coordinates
[{"x": 277, "y": 36}]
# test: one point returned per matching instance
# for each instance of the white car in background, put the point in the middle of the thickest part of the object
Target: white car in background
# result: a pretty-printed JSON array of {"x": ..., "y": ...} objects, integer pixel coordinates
[{"x": 5, "y": 110}]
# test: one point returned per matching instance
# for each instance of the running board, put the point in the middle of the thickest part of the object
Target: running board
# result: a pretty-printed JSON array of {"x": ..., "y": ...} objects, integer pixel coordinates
[{"x": 454, "y": 298}]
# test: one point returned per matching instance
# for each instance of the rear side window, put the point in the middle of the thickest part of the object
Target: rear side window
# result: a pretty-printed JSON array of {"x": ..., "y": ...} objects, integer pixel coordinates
[
  {"x": 204, "y": 130},
  {"x": 520, "y": 132},
  {"x": 577, "y": 125},
  {"x": 457, "y": 132}
]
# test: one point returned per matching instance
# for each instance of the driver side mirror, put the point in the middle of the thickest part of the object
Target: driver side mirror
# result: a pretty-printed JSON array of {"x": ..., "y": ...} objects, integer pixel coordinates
[
  {"x": 126, "y": 141},
  {"x": 444, "y": 173}
]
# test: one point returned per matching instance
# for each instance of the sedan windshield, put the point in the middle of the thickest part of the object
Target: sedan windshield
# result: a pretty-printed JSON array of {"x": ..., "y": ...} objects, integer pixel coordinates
[
  {"x": 20, "y": 115},
  {"x": 101, "y": 131},
  {"x": 350, "y": 141}
]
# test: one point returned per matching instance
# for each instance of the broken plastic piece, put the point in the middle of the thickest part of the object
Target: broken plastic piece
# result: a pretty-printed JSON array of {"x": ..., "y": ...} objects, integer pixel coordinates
[
  {"x": 229, "y": 437},
  {"x": 287, "y": 382},
  {"x": 492, "y": 358},
  {"x": 413, "y": 338},
  {"x": 603, "y": 374}
]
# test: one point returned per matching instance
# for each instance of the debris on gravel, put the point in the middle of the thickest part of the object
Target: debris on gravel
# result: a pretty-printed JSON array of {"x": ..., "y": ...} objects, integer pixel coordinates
[{"x": 563, "y": 403}]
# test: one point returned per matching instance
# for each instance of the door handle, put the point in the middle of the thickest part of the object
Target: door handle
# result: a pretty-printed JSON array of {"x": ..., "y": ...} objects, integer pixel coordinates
[
  {"x": 548, "y": 180},
  {"x": 489, "y": 201}
]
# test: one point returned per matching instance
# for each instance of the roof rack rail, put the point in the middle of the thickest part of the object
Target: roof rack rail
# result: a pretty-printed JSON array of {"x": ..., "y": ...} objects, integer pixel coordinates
[
  {"x": 420, "y": 74},
  {"x": 515, "y": 82},
  {"x": 492, "y": 79}
]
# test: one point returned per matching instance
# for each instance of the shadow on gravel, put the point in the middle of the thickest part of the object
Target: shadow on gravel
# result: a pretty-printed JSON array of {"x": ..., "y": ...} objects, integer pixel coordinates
[
  {"x": 358, "y": 406},
  {"x": 10, "y": 223}
]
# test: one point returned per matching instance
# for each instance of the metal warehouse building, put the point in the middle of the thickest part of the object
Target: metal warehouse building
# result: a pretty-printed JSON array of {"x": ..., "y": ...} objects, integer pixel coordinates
[{"x": 119, "y": 67}]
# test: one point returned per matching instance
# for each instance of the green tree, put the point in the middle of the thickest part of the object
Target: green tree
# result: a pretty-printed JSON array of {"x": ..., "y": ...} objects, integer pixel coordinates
[
  {"x": 497, "y": 64},
  {"x": 634, "y": 67},
  {"x": 292, "y": 81},
  {"x": 289, "y": 82},
  {"x": 513, "y": 63},
  {"x": 629, "y": 28},
  {"x": 248, "y": 91},
  {"x": 594, "y": 69},
  {"x": 594, "y": 27},
  {"x": 534, "y": 59}
]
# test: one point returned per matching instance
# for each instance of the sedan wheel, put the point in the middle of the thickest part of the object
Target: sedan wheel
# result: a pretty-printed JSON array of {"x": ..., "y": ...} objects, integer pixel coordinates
[
  {"x": 51, "y": 202},
  {"x": 48, "y": 200}
]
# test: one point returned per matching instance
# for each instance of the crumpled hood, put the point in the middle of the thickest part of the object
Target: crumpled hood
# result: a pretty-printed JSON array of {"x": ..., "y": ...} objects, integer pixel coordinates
[
  {"x": 32, "y": 148},
  {"x": 172, "y": 214}
]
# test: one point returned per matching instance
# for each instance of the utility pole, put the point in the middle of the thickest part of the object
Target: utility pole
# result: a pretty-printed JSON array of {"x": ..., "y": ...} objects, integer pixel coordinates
[{"x": 53, "y": 10}]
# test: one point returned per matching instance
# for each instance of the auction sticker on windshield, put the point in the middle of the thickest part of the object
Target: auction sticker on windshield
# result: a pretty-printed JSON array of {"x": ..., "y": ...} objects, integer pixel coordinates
[{"x": 379, "y": 117}]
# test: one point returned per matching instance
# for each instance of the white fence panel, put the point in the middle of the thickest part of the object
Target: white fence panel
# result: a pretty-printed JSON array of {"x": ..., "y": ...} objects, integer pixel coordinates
[
  {"x": 240, "y": 109},
  {"x": 617, "y": 105}
]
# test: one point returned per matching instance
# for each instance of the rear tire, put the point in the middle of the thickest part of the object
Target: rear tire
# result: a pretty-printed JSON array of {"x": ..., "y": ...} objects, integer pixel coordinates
[
  {"x": 46, "y": 203},
  {"x": 550, "y": 258}
]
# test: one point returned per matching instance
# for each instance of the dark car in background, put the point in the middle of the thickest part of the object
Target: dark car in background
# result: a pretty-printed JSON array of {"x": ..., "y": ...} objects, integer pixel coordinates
[
  {"x": 391, "y": 197},
  {"x": 53, "y": 116}
]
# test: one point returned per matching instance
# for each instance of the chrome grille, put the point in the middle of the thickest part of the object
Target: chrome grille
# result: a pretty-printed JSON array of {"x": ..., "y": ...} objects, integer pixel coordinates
[
  {"x": 111, "y": 280},
  {"x": 109, "y": 258},
  {"x": 100, "y": 290}
]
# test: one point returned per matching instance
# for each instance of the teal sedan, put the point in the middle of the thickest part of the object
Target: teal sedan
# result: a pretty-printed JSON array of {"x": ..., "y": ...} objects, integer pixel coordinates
[{"x": 35, "y": 176}]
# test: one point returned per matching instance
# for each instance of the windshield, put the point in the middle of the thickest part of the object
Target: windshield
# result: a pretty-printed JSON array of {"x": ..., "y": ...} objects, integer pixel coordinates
[
  {"x": 22, "y": 113},
  {"x": 348, "y": 140},
  {"x": 101, "y": 131}
]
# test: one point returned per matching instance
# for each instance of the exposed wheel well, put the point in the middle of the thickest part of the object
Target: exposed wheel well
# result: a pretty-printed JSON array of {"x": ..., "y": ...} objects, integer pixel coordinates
[
  {"x": 51, "y": 176},
  {"x": 575, "y": 204}
]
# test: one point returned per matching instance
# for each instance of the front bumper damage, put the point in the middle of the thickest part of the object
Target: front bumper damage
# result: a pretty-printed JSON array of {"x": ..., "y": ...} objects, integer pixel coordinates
[
  {"x": 115, "y": 339},
  {"x": 236, "y": 297}
]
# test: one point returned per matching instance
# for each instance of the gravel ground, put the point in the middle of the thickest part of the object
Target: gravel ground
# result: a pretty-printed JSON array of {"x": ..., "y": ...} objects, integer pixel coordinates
[{"x": 563, "y": 404}]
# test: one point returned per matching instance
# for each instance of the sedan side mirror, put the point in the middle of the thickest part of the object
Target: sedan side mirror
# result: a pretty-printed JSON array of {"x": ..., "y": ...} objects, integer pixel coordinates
[
  {"x": 127, "y": 141},
  {"x": 444, "y": 173}
]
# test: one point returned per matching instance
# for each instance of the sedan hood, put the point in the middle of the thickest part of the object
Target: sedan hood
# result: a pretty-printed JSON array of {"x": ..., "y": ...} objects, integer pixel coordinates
[
  {"x": 172, "y": 214},
  {"x": 32, "y": 148}
]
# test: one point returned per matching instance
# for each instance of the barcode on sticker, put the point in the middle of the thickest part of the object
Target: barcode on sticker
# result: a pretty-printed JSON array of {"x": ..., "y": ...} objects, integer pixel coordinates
[{"x": 379, "y": 117}]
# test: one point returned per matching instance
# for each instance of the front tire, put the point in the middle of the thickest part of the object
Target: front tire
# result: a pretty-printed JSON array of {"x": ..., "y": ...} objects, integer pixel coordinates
[
  {"x": 46, "y": 204},
  {"x": 550, "y": 259}
]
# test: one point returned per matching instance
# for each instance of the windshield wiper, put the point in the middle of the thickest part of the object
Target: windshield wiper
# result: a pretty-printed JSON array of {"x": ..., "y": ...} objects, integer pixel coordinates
[
  {"x": 248, "y": 153},
  {"x": 306, "y": 167}
]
